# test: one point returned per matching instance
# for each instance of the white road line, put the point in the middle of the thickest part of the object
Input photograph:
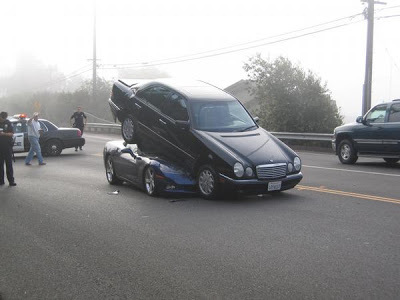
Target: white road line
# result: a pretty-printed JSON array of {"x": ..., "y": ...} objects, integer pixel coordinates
[{"x": 353, "y": 171}]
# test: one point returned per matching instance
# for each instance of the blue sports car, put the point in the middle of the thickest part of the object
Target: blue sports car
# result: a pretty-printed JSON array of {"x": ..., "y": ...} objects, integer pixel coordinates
[{"x": 154, "y": 174}]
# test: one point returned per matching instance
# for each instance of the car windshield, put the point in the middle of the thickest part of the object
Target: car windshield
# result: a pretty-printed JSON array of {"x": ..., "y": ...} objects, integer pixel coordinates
[{"x": 221, "y": 116}]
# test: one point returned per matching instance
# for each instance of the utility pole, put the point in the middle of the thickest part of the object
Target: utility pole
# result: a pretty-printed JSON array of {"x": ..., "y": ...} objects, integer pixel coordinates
[
  {"x": 367, "y": 88},
  {"x": 94, "y": 54}
]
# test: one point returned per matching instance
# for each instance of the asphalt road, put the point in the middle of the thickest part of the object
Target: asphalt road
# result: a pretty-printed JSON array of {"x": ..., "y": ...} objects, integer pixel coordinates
[{"x": 63, "y": 236}]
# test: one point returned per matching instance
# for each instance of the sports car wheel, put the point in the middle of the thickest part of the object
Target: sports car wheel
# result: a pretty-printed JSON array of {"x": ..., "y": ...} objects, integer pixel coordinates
[
  {"x": 391, "y": 161},
  {"x": 128, "y": 129},
  {"x": 53, "y": 148},
  {"x": 207, "y": 182},
  {"x": 110, "y": 172},
  {"x": 347, "y": 154},
  {"x": 149, "y": 180}
]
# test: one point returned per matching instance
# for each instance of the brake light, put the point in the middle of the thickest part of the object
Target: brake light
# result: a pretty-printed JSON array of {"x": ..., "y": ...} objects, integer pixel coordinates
[{"x": 79, "y": 132}]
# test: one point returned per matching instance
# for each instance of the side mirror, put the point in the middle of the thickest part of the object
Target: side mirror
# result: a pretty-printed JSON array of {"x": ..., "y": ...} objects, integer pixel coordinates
[
  {"x": 128, "y": 150},
  {"x": 256, "y": 119},
  {"x": 185, "y": 125},
  {"x": 360, "y": 120}
]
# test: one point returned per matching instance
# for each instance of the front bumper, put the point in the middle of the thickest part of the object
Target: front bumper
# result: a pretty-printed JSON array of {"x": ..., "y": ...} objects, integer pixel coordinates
[{"x": 256, "y": 186}]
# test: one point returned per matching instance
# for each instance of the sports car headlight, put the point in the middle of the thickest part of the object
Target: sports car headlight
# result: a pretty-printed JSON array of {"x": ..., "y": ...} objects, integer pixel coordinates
[
  {"x": 238, "y": 169},
  {"x": 297, "y": 163}
]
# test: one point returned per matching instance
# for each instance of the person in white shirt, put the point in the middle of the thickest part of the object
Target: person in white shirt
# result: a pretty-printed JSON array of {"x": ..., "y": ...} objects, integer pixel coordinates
[{"x": 34, "y": 132}]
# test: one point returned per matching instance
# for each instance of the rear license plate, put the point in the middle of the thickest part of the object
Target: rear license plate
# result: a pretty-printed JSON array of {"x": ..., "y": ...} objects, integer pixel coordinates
[{"x": 274, "y": 186}]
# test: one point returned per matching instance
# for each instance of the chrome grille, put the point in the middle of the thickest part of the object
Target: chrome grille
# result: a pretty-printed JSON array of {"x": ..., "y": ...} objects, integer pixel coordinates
[{"x": 271, "y": 171}]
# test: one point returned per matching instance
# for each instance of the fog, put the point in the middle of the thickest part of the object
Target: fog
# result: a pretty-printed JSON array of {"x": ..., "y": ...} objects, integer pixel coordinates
[{"x": 48, "y": 45}]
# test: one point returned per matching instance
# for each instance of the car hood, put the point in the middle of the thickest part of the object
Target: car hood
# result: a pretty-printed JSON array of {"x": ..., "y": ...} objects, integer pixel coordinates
[
  {"x": 254, "y": 147},
  {"x": 349, "y": 127}
]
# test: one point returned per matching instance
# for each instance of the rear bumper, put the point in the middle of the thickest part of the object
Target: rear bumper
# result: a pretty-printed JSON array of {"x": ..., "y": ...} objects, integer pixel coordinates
[
  {"x": 256, "y": 186},
  {"x": 77, "y": 142}
]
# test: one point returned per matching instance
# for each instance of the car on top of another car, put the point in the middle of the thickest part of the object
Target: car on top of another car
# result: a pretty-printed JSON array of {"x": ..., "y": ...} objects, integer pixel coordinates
[
  {"x": 208, "y": 132},
  {"x": 53, "y": 139},
  {"x": 377, "y": 134}
]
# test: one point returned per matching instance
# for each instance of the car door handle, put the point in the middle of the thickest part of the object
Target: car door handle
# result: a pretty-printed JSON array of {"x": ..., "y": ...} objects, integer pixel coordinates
[
  {"x": 138, "y": 106},
  {"x": 163, "y": 122}
]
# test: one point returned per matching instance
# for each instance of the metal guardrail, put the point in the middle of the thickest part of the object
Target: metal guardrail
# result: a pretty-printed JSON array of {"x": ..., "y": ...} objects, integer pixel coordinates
[{"x": 324, "y": 137}]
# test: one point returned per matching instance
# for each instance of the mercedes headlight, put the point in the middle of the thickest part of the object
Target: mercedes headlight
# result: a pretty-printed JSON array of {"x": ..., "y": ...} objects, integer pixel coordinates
[
  {"x": 249, "y": 172},
  {"x": 297, "y": 163},
  {"x": 238, "y": 169}
]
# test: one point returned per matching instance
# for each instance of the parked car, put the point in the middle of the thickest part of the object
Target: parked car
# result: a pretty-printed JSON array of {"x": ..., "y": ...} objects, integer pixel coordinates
[
  {"x": 377, "y": 134},
  {"x": 53, "y": 140},
  {"x": 151, "y": 172},
  {"x": 206, "y": 130}
]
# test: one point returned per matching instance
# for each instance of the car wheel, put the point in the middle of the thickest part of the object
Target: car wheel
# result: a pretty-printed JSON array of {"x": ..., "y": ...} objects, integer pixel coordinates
[
  {"x": 128, "y": 129},
  {"x": 149, "y": 181},
  {"x": 347, "y": 154},
  {"x": 391, "y": 161},
  {"x": 53, "y": 148},
  {"x": 110, "y": 172},
  {"x": 207, "y": 182}
]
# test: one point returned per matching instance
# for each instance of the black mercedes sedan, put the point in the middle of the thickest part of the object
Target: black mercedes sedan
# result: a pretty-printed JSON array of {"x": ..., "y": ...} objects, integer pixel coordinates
[
  {"x": 206, "y": 130},
  {"x": 53, "y": 140}
]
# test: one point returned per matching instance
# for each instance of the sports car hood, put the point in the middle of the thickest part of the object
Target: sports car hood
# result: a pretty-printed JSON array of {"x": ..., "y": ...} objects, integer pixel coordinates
[{"x": 254, "y": 147}]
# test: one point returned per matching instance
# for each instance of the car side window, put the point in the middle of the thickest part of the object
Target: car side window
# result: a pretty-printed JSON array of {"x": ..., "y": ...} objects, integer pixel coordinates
[
  {"x": 394, "y": 114},
  {"x": 377, "y": 114},
  {"x": 43, "y": 126},
  {"x": 175, "y": 107},
  {"x": 19, "y": 127},
  {"x": 156, "y": 96}
]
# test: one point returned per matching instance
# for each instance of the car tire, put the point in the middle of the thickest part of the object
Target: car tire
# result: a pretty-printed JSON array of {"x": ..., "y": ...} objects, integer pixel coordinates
[
  {"x": 128, "y": 129},
  {"x": 149, "y": 181},
  {"x": 110, "y": 172},
  {"x": 391, "y": 161},
  {"x": 207, "y": 182},
  {"x": 347, "y": 153},
  {"x": 53, "y": 148}
]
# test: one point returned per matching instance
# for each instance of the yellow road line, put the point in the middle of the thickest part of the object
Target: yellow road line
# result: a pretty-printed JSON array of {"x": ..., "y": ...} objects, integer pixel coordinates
[{"x": 349, "y": 194}]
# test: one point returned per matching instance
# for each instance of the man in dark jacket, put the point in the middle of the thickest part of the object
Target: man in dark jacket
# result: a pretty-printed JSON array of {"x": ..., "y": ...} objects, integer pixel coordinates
[
  {"x": 80, "y": 121},
  {"x": 6, "y": 145}
]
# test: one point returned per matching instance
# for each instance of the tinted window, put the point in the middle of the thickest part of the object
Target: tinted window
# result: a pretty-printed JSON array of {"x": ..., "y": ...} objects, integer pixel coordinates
[
  {"x": 157, "y": 96},
  {"x": 377, "y": 114},
  {"x": 394, "y": 114},
  {"x": 175, "y": 107},
  {"x": 221, "y": 116}
]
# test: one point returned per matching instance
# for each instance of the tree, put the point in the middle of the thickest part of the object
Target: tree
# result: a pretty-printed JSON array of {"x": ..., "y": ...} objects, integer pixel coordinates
[{"x": 291, "y": 99}]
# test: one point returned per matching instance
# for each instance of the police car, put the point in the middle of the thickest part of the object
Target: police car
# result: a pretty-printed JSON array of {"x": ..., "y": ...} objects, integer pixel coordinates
[{"x": 53, "y": 139}]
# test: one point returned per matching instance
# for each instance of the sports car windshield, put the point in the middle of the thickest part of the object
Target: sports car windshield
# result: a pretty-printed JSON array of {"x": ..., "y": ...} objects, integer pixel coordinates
[{"x": 221, "y": 116}]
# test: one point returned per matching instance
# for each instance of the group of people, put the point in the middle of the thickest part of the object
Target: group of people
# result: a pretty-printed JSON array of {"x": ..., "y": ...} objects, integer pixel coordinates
[{"x": 34, "y": 131}]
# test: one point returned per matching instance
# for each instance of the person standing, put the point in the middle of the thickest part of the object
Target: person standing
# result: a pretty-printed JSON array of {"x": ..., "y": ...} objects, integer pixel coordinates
[
  {"x": 34, "y": 132},
  {"x": 6, "y": 145},
  {"x": 80, "y": 121}
]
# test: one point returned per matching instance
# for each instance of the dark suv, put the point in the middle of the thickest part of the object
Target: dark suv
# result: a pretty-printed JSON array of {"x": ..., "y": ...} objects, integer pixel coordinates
[{"x": 377, "y": 134}]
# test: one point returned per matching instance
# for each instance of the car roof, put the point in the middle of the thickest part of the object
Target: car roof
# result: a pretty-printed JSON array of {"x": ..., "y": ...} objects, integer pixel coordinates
[{"x": 192, "y": 89}]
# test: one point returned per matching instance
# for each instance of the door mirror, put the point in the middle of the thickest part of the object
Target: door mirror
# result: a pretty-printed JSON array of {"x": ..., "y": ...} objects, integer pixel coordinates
[
  {"x": 185, "y": 125},
  {"x": 256, "y": 119},
  {"x": 360, "y": 120}
]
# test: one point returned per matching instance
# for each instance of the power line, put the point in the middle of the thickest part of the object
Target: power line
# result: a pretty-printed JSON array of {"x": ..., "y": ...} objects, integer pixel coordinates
[
  {"x": 183, "y": 58},
  {"x": 236, "y": 50}
]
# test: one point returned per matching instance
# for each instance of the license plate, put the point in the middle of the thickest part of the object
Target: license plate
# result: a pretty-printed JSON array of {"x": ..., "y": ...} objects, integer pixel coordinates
[{"x": 274, "y": 186}]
